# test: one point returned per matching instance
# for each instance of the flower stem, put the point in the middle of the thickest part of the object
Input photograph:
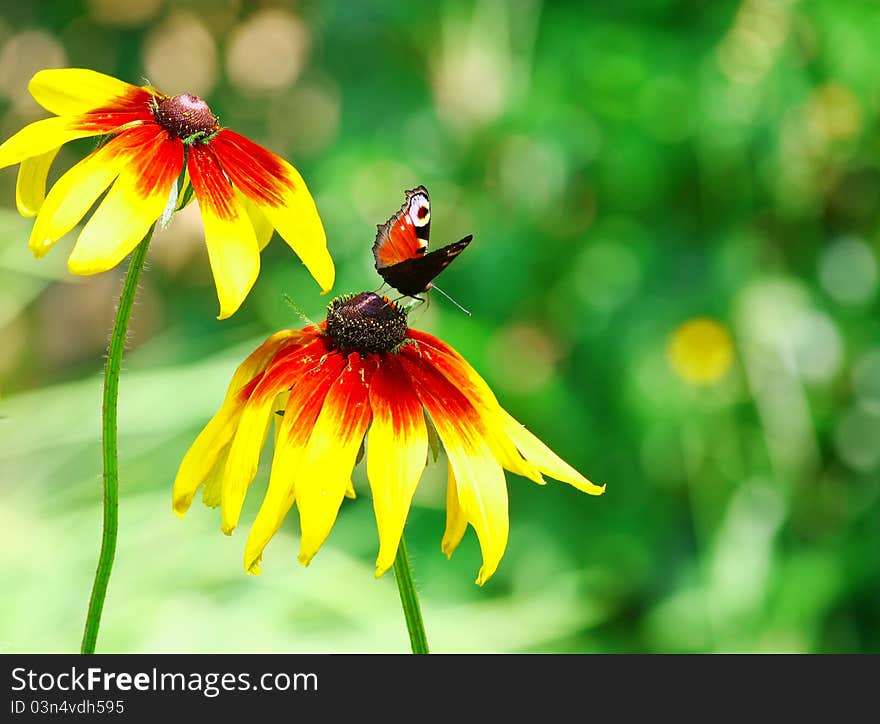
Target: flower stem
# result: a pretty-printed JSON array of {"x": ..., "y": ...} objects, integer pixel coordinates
[
  {"x": 109, "y": 445},
  {"x": 410, "y": 600}
]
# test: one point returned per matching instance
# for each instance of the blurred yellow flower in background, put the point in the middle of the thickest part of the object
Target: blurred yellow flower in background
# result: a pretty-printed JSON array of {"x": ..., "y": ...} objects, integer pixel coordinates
[{"x": 700, "y": 351}]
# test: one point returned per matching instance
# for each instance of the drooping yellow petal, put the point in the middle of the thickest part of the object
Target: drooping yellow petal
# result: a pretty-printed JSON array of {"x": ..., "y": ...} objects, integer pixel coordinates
[
  {"x": 545, "y": 459},
  {"x": 40, "y": 137},
  {"x": 479, "y": 478},
  {"x": 279, "y": 191},
  {"x": 213, "y": 485},
  {"x": 203, "y": 455},
  {"x": 299, "y": 224},
  {"x": 134, "y": 203},
  {"x": 482, "y": 495},
  {"x": 302, "y": 410},
  {"x": 30, "y": 187},
  {"x": 70, "y": 199},
  {"x": 253, "y": 426},
  {"x": 232, "y": 244},
  {"x": 456, "y": 522},
  {"x": 325, "y": 467},
  {"x": 465, "y": 378},
  {"x": 70, "y": 91},
  {"x": 263, "y": 229},
  {"x": 397, "y": 448}
]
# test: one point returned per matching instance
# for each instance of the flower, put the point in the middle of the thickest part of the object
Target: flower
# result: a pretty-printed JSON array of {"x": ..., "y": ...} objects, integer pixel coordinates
[
  {"x": 700, "y": 351},
  {"x": 363, "y": 374},
  {"x": 244, "y": 191}
]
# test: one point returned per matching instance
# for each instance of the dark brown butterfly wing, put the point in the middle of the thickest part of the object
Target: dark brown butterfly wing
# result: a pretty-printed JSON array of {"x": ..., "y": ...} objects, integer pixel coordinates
[{"x": 414, "y": 276}]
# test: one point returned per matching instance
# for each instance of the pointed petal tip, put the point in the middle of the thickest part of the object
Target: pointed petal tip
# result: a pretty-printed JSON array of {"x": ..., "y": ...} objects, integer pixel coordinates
[
  {"x": 253, "y": 567},
  {"x": 227, "y": 528},
  {"x": 304, "y": 560}
]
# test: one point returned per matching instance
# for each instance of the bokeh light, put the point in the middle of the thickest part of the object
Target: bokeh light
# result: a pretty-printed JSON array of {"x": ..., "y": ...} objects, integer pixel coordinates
[
  {"x": 180, "y": 56},
  {"x": 701, "y": 351},
  {"x": 267, "y": 51}
]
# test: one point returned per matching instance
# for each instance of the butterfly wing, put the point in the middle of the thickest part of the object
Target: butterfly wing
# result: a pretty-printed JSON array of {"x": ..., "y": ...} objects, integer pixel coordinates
[
  {"x": 405, "y": 235},
  {"x": 413, "y": 276}
]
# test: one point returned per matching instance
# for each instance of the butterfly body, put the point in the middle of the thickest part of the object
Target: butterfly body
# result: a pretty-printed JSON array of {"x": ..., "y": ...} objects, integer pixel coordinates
[{"x": 401, "y": 247}]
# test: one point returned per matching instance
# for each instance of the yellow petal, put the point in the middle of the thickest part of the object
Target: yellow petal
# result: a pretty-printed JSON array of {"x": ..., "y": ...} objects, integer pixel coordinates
[
  {"x": 299, "y": 224},
  {"x": 545, "y": 459},
  {"x": 466, "y": 380},
  {"x": 40, "y": 137},
  {"x": 69, "y": 91},
  {"x": 213, "y": 485},
  {"x": 302, "y": 410},
  {"x": 482, "y": 495},
  {"x": 244, "y": 455},
  {"x": 397, "y": 447},
  {"x": 133, "y": 204},
  {"x": 202, "y": 457},
  {"x": 262, "y": 227},
  {"x": 204, "y": 453},
  {"x": 456, "y": 522},
  {"x": 326, "y": 466},
  {"x": 479, "y": 478},
  {"x": 70, "y": 199},
  {"x": 30, "y": 187},
  {"x": 276, "y": 187},
  {"x": 229, "y": 235}
]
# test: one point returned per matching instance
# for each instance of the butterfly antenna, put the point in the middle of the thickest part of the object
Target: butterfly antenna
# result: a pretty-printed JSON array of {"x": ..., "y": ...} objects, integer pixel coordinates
[
  {"x": 434, "y": 286},
  {"x": 299, "y": 313}
]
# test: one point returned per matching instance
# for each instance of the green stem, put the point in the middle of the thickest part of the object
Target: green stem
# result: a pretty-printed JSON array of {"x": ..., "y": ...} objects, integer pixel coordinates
[
  {"x": 109, "y": 445},
  {"x": 410, "y": 600}
]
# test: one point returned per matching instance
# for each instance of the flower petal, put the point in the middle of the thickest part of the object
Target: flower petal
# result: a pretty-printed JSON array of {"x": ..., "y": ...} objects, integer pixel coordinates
[
  {"x": 69, "y": 91},
  {"x": 203, "y": 454},
  {"x": 133, "y": 204},
  {"x": 325, "y": 467},
  {"x": 456, "y": 522},
  {"x": 276, "y": 187},
  {"x": 545, "y": 459},
  {"x": 244, "y": 455},
  {"x": 482, "y": 490},
  {"x": 40, "y": 137},
  {"x": 30, "y": 187},
  {"x": 263, "y": 229},
  {"x": 253, "y": 426},
  {"x": 232, "y": 243},
  {"x": 397, "y": 448},
  {"x": 302, "y": 410},
  {"x": 77, "y": 190},
  {"x": 465, "y": 378}
]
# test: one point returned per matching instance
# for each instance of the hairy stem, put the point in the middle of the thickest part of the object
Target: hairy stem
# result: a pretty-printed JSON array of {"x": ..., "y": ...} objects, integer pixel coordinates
[
  {"x": 109, "y": 445},
  {"x": 410, "y": 600}
]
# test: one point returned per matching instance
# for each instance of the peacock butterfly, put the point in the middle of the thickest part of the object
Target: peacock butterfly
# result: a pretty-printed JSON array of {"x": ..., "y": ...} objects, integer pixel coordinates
[{"x": 401, "y": 248}]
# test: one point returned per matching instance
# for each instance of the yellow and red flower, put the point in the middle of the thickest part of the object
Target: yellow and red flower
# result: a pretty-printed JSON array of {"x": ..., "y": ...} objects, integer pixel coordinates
[
  {"x": 362, "y": 374},
  {"x": 243, "y": 190}
]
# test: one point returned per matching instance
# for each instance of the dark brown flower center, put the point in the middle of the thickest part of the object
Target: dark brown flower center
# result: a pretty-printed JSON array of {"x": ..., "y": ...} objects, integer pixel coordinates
[
  {"x": 187, "y": 117},
  {"x": 365, "y": 323}
]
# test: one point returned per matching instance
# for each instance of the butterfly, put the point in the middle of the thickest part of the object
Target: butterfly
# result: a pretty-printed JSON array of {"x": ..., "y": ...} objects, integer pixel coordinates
[{"x": 401, "y": 248}]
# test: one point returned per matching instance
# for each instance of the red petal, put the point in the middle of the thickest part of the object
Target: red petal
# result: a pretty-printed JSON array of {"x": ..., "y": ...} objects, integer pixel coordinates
[
  {"x": 211, "y": 186},
  {"x": 256, "y": 171}
]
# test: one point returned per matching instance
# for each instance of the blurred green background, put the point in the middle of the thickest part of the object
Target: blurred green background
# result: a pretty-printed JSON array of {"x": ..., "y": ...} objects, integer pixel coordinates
[{"x": 624, "y": 171}]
